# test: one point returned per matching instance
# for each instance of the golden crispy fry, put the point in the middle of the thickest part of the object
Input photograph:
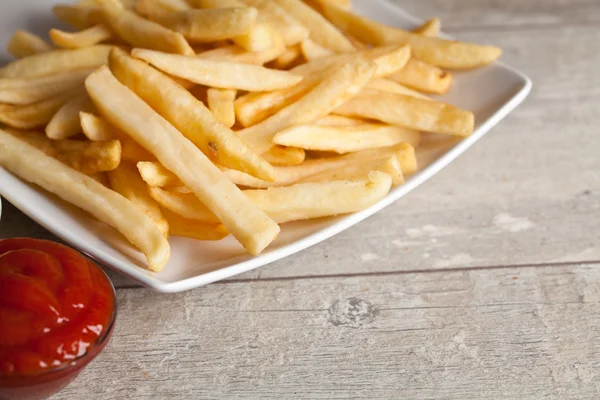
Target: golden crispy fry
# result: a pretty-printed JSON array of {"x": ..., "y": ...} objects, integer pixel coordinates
[
  {"x": 290, "y": 58},
  {"x": 345, "y": 139},
  {"x": 408, "y": 159},
  {"x": 89, "y": 157},
  {"x": 78, "y": 16},
  {"x": 410, "y": 112},
  {"x": 150, "y": 8},
  {"x": 126, "y": 181},
  {"x": 342, "y": 84},
  {"x": 193, "y": 229},
  {"x": 321, "y": 199},
  {"x": 156, "y": 175},
  {"x": 125, "y": 110},
  {"x": 23, "y": 44},
  {"x": 338, "y": 120},
  {"x": 140, "y": 32},
  {"x": 220, "y": 102},
  {"x": 211, "y": 24},
  {"x": 321, "y": 30},
  {"x": 97, "y": 129},
  {"x": 279, "y": 155},
  {"x": 311, "y": 50},
  {"x": 82, "y": 191},
  {"x": 85, "y": 38},
  {"x": 430, "y": 28},
  {"x": 388, "y": 85},
  {"x": 436, "y": 51},
  {"x": 238, "y": 54},
  {"x": 220, "y": 74},
  {"x": 388, "y": 164},
  {"x": 36, "y": 114},
  {"x": 184, "y": 204},
  {"x": 56, "y": 61},
  {"x": 65, "y": 123},
  {"x": 287, "y": 26},
  {"x": 423, "y": 77},
  {"x": 31, "y": 90},
  {"x": 188, "y": 115}
]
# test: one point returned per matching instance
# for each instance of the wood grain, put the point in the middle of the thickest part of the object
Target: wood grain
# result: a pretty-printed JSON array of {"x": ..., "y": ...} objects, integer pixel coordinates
[{"x": 526, "y": 333}]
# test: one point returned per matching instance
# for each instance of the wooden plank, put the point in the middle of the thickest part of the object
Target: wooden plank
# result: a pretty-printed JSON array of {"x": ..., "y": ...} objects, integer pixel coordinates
[{"x": 480, "y": 334}]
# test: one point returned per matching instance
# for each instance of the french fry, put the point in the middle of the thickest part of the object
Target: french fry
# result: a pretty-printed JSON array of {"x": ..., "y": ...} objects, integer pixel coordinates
[
  {"x": 345, "y": 139},
  {"x": 410, "y": 112},
  {"x": 34, "y": 115},
  {"x": 251, "y": 227},
  {"x": 150, "y": 8},
  {"x": 56, "y": 61},
  {"x": 85, "y": 38},
  {"x": 89, "y": 157},
  {"x": 234, "y": 53},
  {"x": 430, "y": 28},
  {"x": 84, "y": 192},
  {"x": 288, "y": 27},
  {"x": 347, "y": 4},
  {"x": 97, "y": 129},
  {"x": 186, "y": 205},
  {"x": 80, "y": 16},
  {"x": 188, "y": 115},
  {"x": 311, "y": 50},
  {"x": 321, "y": 30},
  {"x": 31, "y": 90},
  {"x": 423, "y": 77},
  {"x": 23, "y": 44},
  {"x": 290, "y": 58},
  {"x": 388, "y": 164},
  {"x": 126, "y": 181},
  {"x": 387, "y": 85},
  {"x": 321, "y": 199},
  {"x": 279, "y": 155},
  {"x": 220, "y": 102},
  {"x": 65, "y": 123},
  {"x": 432, "y": 50},
  {"x": 192, "y": 229},
  {"x": 341, "y": 84},
  {"x": 211, "y": 24},
  {"x": 219, "y": 74},
  {"x": 156, "y": 175},
  {"x": 338, "y": 120},
  {"x": 140, "y": 32}
]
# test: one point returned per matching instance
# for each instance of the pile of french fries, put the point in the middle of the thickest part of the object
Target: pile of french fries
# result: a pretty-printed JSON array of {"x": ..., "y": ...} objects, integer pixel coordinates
[{"x": 204, "y": 118}]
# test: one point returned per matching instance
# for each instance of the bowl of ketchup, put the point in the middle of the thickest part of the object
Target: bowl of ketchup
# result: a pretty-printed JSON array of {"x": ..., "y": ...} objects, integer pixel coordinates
[{"x": 57, "y": 313}]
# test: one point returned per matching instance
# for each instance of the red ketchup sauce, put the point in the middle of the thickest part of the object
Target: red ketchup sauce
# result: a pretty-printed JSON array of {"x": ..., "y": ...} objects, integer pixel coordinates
[{"x": 57, "y": 311}]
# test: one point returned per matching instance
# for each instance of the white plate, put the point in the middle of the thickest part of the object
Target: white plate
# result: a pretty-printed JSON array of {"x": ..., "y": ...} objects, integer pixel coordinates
[{"x": 491, "y": 93}]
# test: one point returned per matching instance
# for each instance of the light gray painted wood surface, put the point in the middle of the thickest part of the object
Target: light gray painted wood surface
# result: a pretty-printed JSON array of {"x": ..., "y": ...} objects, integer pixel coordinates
[{"x": 482, "y": 283}]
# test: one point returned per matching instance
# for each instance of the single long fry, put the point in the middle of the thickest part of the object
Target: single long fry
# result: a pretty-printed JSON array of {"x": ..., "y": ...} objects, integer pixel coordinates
[
  {"x": 387, "y": 85},
  {"x": 56, "y": 61},
  {"x": 154, "y": 174},
  {"x": 219, "y": 74},
  {"x": 193, "y": 229},
  {"x": 140, "y": 32},
  {"x": 31, "y": 90},
  {"x": 188, "y": 115},
  {"x": 85, "y": 38},
  {"x": 220, "y": 102},
  {"x": 342, "y": 84},
  {"x": 388, "y": 164},
  {"x": 423, "y": 77},
  {"x": 279, "y": 155},
  {"x": 97, "y": 129},
  {"x": 338, "y": 120},
  {"x": 211, "y": 24},
  {"x": 36, "y": 114},
  {"x": 345, "y": 139},
  {"x": 321, "y": 30},
  {"x": 184, "y": 204},
  {"x": 126, "y": 181},
  {"x": 150, "y": 8},
  {"x": 436, "y": 51},
  {"x": 23, "y": 44},
  {"x": 410, "y": 112},
  {"x": 79, "y": 16},
  {"x": 238, "y": 54},
  {"x": 65, "y": 123},
  {"x": 89, "y": 157},
  {"x": 430, "y": 28},
  {"x": 288, "y": 27},
  {"x": 128, "y": 112},
  {"x": 84, "y": 192}
]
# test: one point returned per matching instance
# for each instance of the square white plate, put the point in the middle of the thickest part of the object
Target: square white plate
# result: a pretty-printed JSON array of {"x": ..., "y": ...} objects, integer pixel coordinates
[{"x": 491, "y": 93}]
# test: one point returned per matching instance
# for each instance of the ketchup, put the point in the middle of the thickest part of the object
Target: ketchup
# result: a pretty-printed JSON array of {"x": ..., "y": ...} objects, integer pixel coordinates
[{"x": 56, "y": 309}]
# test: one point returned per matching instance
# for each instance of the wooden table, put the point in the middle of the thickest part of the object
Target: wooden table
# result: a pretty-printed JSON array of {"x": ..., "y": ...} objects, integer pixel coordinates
[{"x": 482, "y": 284}]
